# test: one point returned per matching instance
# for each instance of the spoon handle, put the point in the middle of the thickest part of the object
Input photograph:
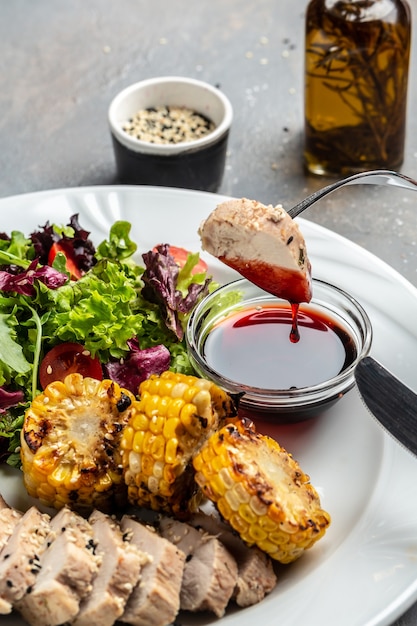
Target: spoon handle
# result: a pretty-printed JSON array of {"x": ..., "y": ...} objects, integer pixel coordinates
[{"x": 373, "y": 177}]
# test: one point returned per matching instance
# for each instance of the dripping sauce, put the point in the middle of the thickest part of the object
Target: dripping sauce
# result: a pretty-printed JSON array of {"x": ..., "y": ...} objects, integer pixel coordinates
[{"x": 279, "y": 347}]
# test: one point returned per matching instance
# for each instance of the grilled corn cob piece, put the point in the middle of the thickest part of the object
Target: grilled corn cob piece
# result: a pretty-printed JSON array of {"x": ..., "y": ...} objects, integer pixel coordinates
[
  {"x": 261, "y": 491},
  {"x": 69, "y": 444},
  {"x": 176, "y": 415}
]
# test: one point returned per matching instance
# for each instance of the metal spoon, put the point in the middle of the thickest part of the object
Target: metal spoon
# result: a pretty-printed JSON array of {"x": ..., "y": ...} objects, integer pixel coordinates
[{"x": 373, "y": 177}]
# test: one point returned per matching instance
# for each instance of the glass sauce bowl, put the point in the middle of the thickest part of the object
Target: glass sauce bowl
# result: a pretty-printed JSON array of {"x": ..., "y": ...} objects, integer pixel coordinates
[{"x": 239, "y": 337}]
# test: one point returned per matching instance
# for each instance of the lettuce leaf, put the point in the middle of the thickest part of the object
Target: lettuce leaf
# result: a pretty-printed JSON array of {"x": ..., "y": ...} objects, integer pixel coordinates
[
  {"x": 11, "y": 353},
  {"x": 175, "y": 291}
]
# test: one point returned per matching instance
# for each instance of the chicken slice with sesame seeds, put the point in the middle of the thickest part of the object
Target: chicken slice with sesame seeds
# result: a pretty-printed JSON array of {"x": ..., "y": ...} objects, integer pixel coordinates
[
  {"x": 263, "y": 244},
  {"x": 210, "y": 571},
  {"x": 119, "y": 573},
  {"x": 19, "y": 557},
  {"x": 155, "y": 601}
]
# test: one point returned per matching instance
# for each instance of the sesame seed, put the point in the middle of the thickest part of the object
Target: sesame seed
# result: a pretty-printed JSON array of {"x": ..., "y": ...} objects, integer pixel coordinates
[{"x": 162, "y": 125}]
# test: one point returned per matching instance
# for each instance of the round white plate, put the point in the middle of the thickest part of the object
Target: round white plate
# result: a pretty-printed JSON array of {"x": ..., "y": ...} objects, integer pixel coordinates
[{"x": 364, "y": 571}]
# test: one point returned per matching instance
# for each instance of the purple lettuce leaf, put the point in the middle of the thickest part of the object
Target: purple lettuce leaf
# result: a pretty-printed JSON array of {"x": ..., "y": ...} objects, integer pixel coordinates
[
  {"x": 23, "y": 282},
  {"x": 138, "y": 365},
  {"x": 160, "y": 280},
  {"x": 9, "y": 398},
  {"x": 82, "y": 246}
]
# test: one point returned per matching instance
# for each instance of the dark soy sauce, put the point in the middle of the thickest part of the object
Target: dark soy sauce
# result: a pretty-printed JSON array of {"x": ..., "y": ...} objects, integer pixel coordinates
[{"x": 264, "y": 347}]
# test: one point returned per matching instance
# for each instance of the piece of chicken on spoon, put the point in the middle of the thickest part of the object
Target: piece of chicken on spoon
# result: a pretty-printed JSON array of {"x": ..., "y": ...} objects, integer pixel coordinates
[{"x": 263, "y": 244}]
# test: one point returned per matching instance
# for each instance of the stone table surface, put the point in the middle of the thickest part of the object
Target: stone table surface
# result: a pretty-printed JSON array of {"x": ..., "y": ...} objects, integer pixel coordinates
[{"x": 63, "y": 62}]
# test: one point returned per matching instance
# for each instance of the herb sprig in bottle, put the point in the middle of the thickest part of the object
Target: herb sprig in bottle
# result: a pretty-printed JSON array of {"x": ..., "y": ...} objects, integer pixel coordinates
[{"x": 356, "y": 75}]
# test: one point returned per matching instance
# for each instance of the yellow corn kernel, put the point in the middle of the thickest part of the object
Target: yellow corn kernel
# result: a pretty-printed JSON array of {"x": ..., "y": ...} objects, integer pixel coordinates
[
  {"x": 247, "y": 514},
  {"x": 189, "y": 393},
  {"x": 174, "y": 408},
  {"x": 140, "y": 422},
  {"x": 60, "y": 475},
  {"x": 148, "y": 439},
  {"x": 172, "y": 428},
  {"x": 171, "y": 450},
  {"x": 187, "y": 417},
  {"x": 156, "y": 424},
  {"x": 158, "y": 448},
  {"x": 104, "y": 483},
  {"x": 127, "y": 438},
  {"x": 147, "y": 466},
  {"x": 256, "y": 534},
  {"x": 152, "y": 406},
  {"x": 137, "y": 443}
]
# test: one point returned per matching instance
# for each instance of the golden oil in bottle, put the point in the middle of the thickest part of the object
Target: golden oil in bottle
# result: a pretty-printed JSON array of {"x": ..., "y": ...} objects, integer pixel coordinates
[{"x": 356, "y": 74}]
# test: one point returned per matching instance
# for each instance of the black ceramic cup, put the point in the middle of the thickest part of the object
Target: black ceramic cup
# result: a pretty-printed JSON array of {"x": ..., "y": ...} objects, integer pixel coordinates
[{"x": 195, "y": 164}]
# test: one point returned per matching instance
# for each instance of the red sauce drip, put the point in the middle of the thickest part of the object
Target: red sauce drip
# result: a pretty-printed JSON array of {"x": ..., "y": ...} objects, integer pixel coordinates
[{"x": 294, "y": 332}]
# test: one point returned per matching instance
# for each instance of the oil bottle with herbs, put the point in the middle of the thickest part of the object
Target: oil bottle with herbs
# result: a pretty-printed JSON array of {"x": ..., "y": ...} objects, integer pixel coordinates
[{"x": 356, "y": 75}]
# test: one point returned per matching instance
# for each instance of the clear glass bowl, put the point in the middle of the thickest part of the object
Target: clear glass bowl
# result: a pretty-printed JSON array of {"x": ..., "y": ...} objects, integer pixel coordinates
[{"x": 333, "y": 320}]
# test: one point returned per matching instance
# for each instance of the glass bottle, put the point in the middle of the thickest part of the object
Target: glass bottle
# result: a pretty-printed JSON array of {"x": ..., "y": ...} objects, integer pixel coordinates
[{"x": 356, "y": 74}]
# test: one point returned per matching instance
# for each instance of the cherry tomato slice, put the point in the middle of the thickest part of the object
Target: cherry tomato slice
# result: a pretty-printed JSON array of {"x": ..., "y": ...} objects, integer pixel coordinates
[
  {"x": 68, "y": 358},
  {"x": 180, "y": 256},
  {"x": 68, "y": 252}
]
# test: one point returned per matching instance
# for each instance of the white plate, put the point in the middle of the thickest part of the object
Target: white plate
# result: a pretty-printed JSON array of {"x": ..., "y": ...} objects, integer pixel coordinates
[{"x": 364, "y": 571}]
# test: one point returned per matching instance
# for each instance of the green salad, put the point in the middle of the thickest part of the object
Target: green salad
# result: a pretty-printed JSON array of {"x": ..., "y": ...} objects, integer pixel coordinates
[{"x": 66, "y": 305}]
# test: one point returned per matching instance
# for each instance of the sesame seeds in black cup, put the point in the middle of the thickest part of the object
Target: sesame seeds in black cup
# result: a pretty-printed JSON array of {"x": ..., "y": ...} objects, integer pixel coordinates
[{"x": 171, "y": 131}]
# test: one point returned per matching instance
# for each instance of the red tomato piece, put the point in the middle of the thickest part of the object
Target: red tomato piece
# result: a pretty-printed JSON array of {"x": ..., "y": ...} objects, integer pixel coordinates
[
  {"x": 68, "y": 358},
  {"x": 71, "y": 263},
  {"x": 180, "y": 256}
]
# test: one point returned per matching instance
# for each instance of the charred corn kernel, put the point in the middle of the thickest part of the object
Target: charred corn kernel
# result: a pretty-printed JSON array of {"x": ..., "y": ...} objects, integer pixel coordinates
[
  {"x": 261, "y": 491},
  {"x": 179, "y": 415},
  {"x": 70, "y": 443}
]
